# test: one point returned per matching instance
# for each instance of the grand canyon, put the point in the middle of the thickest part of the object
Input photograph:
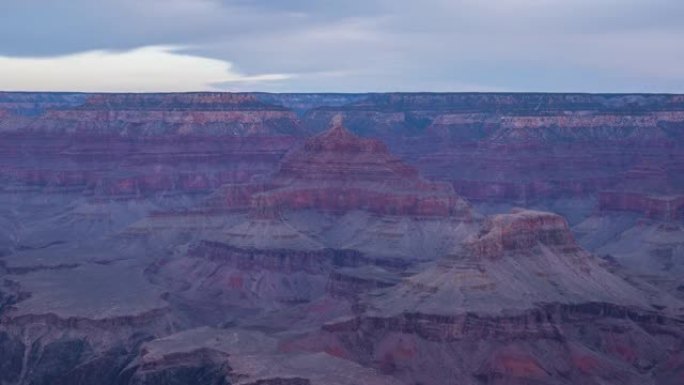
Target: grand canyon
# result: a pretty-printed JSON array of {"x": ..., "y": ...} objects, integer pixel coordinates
[{"x": 341, "y": 239}]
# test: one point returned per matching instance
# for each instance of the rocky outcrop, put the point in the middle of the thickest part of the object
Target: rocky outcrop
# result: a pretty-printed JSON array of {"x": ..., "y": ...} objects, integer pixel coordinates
[
  {"x": 133, "y": 145},
  {"x": 649, "y": 189},
  {"x": 143, "y": 235},
  {"x": 338, "y": 172},
  {"x": 588, "y": 344},
  {"x": 507, "y": 147},
  {"x": 525, "y": 173},
  {"x": 516, "y": 262},
  {"x": 263, "y": 279},
  {"x": 165, "y": 114},
  {"x": 270, "y": 253},
  {"x": 521, "y": 231},
  {"x": 652, "y": 206},
  {"x": 511, "y": 118},
  {"x": 64, "y": 324},
  {"x": 209, "y": 366},
  {"x": 521, "y": 148},
  {"x": 216, "y": 356},
  {"x": 518, "y": 288}
]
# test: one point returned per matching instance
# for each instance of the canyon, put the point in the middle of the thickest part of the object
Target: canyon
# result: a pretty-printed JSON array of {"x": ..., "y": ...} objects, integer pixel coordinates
[{"x": 396, "y": 238}]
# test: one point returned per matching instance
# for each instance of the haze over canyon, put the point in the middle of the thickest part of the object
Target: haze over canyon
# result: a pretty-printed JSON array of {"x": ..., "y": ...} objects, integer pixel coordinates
[{"x": 341, "y": 239}]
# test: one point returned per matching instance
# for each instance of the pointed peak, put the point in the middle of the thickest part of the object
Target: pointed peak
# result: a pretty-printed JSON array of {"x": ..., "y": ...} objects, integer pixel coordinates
[
  {"x": 339, "y": 138},
  {"x": 337, "y": 128},
  {"x": 337, "y": 121}
]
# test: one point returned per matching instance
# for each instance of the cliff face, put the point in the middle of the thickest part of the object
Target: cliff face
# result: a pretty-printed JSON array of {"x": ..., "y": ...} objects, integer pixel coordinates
[
  {"x": 516, "y": 262},
  {"x": 520, "y": 147},
  {"x": 520, "y": 303},
  {"x": 337, "y": 201},
  {"x": 158, "y": 114},
  {"x": 463, "y": 117},
  {"x": 651, "y": 189},
  {"x": 547, "y": 346},
  {"x": 516, "y": 117},
  {"x": 337, "y": 171},
  {"x": 145, "y": 238},
  {"x": 128, "y": 145},
  {"x": 491, "y": 147},
  {"x": 522, "y": 230}
]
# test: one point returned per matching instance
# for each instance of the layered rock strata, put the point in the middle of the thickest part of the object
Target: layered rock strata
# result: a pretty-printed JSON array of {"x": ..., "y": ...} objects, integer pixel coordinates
[
  {"x": 508, "y": 147},
  {"x": 520, "y": 303},
  {"x": 649, "y": 189},
  {"x": 141, "y": 235},
  {"x": 337, "y": 172}
]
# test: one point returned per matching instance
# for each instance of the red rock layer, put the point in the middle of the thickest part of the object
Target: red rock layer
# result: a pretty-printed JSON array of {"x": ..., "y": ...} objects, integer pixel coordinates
[
  {"x": 524, "y": 147},
  {"x": 337, "y": 171},
  {"x": 658, "y": 207},
  {"x": 506, "y": 147},
  {"x": 520, "y": 231},
  {"x": 139, "y": 144},
  {"x": 649, "y": 189},
  {"x": 161, "y": 114},
  {"x": 556, "y": 344},
  {"x": 115, "y": 166}
]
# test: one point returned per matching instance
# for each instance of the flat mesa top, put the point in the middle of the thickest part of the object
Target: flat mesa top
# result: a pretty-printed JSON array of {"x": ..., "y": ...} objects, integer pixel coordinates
[
  {"x": 227, "y": 341},
  {"x": 89, "y": 291}
]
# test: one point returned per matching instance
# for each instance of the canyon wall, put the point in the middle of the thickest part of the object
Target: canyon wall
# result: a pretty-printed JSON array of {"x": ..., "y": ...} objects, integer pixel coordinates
[
  {"x": 490, "y": 147},
  {"x": 400, "y": 238}
]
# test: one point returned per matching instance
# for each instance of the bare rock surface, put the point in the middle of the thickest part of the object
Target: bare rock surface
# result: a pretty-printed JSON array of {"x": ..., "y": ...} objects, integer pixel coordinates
[
  {"x": 337, "y": 171},
  {"x": 250, "y": 238},
  {"x": 244, "y": 357},
  {"x": 518, "y": 261},
  {"x": 91, "y": 291},
  {"x": 518, "y": 306}
]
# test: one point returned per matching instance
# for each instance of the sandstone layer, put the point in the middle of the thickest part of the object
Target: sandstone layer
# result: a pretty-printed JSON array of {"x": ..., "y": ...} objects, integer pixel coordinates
[
  {"x": 220, "y": 238},
  {"x": 520, "y": 303}
]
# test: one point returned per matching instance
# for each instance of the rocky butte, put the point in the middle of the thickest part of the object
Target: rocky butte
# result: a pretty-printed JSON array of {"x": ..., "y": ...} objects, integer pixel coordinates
[
  {"x": 337, "y": 171},
  {"x": 400, "y": 238},
  {"x": 513, "y": 306}
]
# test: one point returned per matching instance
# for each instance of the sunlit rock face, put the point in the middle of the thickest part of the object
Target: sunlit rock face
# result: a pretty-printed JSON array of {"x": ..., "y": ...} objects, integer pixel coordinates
[{"x": 250, "y": 238}]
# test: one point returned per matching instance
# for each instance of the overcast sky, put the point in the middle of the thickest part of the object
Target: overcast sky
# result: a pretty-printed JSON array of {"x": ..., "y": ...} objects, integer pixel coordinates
[{"x": 342, "y": 45}]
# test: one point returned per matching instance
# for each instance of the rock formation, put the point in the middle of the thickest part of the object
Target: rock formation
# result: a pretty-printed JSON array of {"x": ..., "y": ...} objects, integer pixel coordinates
[
  {"x": 336, "y": 171},
  {"x": 520, "y": 303},
  {"x": 336, "y": 202},
  {"x": 508, "y": 147},
  {"x": 220, "y": 238},
  {"x": 647, "y": 189}
]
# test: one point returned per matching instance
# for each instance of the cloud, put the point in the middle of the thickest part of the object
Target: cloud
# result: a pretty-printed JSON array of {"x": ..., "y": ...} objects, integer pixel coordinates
[
  {"x": 376, "y": 45},
  {"x": 154, "y": 68}
]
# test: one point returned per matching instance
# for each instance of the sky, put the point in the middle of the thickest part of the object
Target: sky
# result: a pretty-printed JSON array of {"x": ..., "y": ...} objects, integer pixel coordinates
[{"x": 342, "y": 45}]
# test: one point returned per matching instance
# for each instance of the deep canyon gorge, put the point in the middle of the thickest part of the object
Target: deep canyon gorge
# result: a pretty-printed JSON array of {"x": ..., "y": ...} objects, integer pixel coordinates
[{"x": 385, "y": 238}]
